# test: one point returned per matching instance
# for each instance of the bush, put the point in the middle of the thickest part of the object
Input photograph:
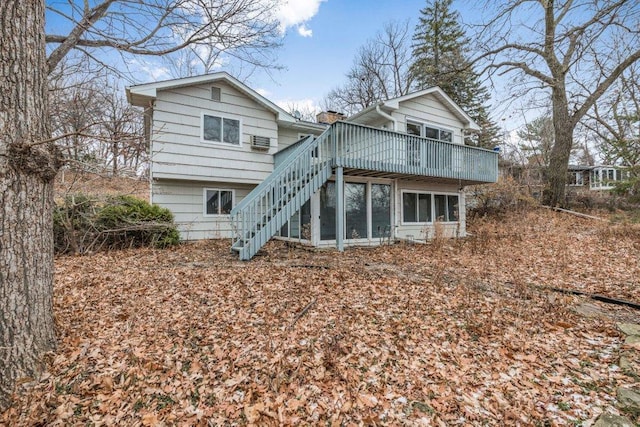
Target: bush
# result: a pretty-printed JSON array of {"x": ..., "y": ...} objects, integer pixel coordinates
[
  {"x": 73, "y": 224},
  {"x": 82, "y": 224},
  {"x": 130, "y": 222},
  {"x": 498, "y": 199}
]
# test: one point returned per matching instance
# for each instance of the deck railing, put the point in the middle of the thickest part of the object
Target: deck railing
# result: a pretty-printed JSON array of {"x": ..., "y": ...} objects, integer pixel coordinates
[
  {"x": 310, "y": 163},
  {"x": 367, "y": 148},
  {"x": 269, "y": 206}
]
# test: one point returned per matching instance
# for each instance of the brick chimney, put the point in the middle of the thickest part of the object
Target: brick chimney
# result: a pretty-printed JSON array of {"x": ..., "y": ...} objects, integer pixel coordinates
[{"x": 329, "y": 117}]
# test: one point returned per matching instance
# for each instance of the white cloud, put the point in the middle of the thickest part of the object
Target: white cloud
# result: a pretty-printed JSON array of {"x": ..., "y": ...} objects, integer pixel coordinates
[
  {"x": 151, "y": 69},
  {"x": 304, "y": 31},
  {"x": 263, "y": 92},
  {"x": 295, "y": 13}
]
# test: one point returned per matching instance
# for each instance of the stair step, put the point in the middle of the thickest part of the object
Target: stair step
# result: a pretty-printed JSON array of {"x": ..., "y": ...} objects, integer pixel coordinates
[{"x": 267, "y": 217}]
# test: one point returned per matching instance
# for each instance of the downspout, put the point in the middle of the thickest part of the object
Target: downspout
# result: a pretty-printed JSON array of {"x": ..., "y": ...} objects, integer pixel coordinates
[{"x": 388, "y": 117}]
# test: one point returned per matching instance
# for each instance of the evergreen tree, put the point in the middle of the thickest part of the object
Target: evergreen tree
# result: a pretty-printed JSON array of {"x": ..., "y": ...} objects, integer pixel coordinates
[{"x": 440, "y": 59}]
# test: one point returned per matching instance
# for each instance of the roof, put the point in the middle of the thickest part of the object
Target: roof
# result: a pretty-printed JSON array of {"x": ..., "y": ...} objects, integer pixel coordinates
[
  {"x": 580, "y": 167},
  {"x": 588, "y": 167},
  {"x": 394, "y": 103},
  {"x": 141, "y": 95}
]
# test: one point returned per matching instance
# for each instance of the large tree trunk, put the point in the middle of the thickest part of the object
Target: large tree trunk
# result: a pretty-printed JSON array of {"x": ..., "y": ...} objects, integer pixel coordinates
[
  {"x": 27, "y": 168},
  {"x": 556, "y": 174}
]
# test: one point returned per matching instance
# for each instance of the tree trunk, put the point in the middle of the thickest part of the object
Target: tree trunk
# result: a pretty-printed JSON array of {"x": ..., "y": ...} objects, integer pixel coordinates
[
  {"x": 116, "y": 154},
  {"x": 27, "y": 170},
  {"x": 556, "y": 174}
]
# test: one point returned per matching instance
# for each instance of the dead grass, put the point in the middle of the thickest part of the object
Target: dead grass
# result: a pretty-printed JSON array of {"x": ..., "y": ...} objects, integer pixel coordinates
[
  {"x": 72, "y": 182},
  {"x": 454, "y": 333}
]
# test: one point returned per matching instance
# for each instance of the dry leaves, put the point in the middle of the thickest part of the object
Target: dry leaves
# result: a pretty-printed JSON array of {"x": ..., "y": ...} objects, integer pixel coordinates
[{"x": 447, "y": 334}]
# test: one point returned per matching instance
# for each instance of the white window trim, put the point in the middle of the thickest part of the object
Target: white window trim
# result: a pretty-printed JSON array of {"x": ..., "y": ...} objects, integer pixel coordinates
[
  {"x": 223, "y": 116},
  {"x": 423, "y": 123},
  {"x": 406, "y": 190},
  {"x": 204, "y": 202},
  {"x": 578, "y": 182},
  {"x": 432, "y": 204}
]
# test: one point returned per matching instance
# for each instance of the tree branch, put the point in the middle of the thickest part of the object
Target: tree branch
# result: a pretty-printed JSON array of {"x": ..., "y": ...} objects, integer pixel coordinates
[{"x": 604, "y": 85}]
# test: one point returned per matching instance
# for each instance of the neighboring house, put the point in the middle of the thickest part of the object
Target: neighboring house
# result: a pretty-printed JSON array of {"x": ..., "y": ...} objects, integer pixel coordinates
[
  {"x": 600, "y": 177},
  {"x": 231, "y": 164}
]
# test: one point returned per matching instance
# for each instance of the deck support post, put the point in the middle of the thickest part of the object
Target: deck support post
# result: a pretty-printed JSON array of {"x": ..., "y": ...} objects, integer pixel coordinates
[{"x": 339, "y": 209}]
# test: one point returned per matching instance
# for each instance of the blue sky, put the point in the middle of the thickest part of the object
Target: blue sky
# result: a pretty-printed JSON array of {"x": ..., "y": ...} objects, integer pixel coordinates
[
  {"x": 321, "y": 38},
  {"x": 319, "y": 62}
]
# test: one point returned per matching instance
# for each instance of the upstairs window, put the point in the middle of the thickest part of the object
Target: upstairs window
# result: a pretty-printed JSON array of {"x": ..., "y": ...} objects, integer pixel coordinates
[
  {"x": 428, "y": 131},
  {"x": 217, "y": 202},
  {"x": 220, "y": 129},
  {"x": 439, "y": 134}
]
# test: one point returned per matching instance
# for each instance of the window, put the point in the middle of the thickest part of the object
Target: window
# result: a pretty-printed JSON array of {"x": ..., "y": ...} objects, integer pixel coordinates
[
  {"x": 217, "y": 202},
  {"x": 452, "y": 208},
  {"x": 429, "y": 131},
  {"x": 220, "y": 129},
  {"x": 328, "y": 211},
  {"x": 576, "y": 178},
  {"x": 441, "y": 207},
  {"x": 610, "y": 175},
  {"x": 355, "y": 207},
  {"x": 424, "y": 207},
  {"x": 299, "y": 226},
  {"x": 416, "y": 207},
  {"x": 414, "y": 129},
  {"x": 380, "y": 210}
]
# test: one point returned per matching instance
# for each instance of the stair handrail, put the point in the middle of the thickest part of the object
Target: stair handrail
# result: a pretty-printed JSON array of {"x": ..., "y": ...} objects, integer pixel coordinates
[{"x": 266, "y": 184}]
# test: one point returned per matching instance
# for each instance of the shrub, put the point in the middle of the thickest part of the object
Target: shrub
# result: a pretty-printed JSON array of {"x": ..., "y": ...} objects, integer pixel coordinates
[
  {"x": 130, "y": 222},
  {"x": 498, "y": 199},
  {"x": 73, "y": 223},
  {"x": 127, "y": 221},
  {"x": 82, "y": 224}
]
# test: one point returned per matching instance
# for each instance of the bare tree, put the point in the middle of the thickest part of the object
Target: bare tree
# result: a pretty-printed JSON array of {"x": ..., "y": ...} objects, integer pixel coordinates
[
  {"x": 159, "y": 27},
  {"x": 29, "y": 158},
  {"x": 246, "y": 29},
  {"x": 74, "y": 111},
  {"x": 380, "y": 71},
  {"x": 615, "y": 121},
  {"x": 573, "y": 50},
  {"x": 301, "y": 110},
  {"x": 121, "y": 132},
  {"x": 94, "y": 125}
]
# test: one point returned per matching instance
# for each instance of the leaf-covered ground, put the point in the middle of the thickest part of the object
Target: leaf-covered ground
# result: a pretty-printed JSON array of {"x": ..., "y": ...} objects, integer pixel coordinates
[{"x": 449, "y": 333}]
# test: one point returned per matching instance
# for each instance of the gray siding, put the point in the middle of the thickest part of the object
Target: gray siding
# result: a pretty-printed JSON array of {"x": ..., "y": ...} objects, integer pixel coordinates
[
  {"x": 178, "y": 151},
  {"x": 428, "y": 109},
  {"x": 186, "y": 202},
  {"x": 288, "y": 136}
]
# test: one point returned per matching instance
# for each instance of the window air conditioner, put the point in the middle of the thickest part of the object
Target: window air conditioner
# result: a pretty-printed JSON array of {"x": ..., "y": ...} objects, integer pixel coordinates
[{"x": 260, "y": 142}]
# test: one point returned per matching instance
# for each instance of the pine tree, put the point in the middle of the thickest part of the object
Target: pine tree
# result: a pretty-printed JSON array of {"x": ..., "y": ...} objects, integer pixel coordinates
[{"x": 441, "y": 59}]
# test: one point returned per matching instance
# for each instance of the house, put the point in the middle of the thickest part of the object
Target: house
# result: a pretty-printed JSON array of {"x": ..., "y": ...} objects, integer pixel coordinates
[
  {"x": 596, "y": 178},
  {"x": 229, "y": 163}
]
